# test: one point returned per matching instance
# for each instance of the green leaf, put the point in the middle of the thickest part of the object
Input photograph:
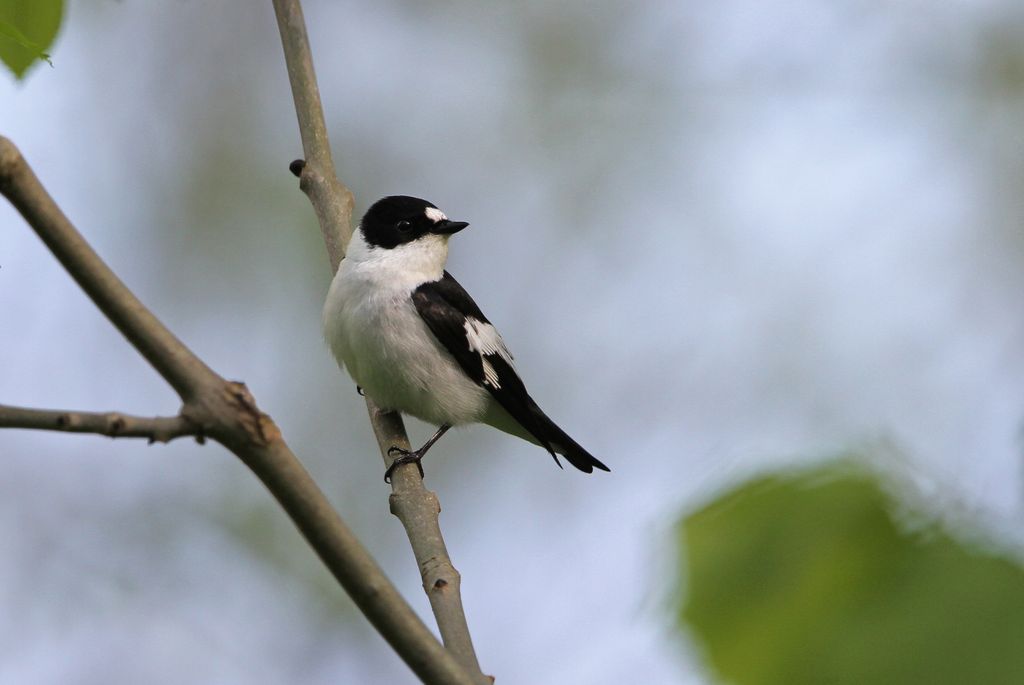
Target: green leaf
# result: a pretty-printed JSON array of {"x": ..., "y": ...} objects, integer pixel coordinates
[
  {"x": 809, "y": 578},
  {"x": 27, "y": 30}
]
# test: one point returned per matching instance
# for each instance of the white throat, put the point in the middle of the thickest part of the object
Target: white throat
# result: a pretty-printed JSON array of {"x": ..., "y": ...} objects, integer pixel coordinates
[{"x": 403, "y": 267}]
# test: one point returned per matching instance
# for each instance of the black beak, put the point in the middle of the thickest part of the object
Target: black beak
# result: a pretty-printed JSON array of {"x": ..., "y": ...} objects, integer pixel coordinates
[{"x": 447, "y": 227}]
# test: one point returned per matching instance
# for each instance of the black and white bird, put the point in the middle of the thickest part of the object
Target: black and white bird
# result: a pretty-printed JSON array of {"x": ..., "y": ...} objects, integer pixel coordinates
[{"x": 414, "y": 340}]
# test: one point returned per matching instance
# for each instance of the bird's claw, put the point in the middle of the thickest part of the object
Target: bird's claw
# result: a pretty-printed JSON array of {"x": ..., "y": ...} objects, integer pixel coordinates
[{"x": 402, "y": 456}]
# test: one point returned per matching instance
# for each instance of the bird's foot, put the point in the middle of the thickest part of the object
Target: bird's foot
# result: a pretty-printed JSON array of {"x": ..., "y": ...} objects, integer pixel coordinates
[{"x": 403, "y": 457}]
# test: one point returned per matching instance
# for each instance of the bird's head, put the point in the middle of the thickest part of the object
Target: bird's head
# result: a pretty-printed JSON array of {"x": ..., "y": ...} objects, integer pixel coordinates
[{"x": 399, "y": 220}]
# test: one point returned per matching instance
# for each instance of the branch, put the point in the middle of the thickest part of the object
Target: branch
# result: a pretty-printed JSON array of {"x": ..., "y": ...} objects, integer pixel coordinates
[
  {"x": 110, "y": 424},
  {"x": 415, "y": 506},
  {"x": 331, "y": 199},
  {"x": 226, "y": 412},
  {"x": 185, "y": 372},
  {"x": 418, "y": 509}
]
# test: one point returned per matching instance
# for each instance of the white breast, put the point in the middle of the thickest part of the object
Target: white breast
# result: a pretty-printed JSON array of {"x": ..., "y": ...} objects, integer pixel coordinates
[{"x": 377, "y": 335}]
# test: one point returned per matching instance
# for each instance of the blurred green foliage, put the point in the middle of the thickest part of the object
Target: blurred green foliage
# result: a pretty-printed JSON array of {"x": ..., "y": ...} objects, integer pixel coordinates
[
  {"x": 810, "y": 577},
  {"x": 27, "y": 29}
]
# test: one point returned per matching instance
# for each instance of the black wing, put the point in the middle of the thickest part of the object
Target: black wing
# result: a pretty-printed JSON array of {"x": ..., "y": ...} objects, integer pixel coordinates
[{"x": 457, "y": 322}]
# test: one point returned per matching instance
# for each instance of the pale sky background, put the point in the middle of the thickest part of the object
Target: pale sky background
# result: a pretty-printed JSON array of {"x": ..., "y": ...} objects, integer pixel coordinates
[{"x": 718, "y": 237}]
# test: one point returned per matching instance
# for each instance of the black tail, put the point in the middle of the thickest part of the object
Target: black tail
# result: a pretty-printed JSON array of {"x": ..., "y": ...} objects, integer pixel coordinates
[{"x": 557, "y": 441}]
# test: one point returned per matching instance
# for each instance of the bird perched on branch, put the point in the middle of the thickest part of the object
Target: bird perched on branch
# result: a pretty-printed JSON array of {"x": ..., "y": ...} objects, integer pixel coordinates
[{"x": 415, "y": 341}]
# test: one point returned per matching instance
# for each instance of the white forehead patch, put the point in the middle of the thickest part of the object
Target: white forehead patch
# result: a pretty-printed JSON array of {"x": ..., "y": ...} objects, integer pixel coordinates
[{"x": 435, "y": 214}]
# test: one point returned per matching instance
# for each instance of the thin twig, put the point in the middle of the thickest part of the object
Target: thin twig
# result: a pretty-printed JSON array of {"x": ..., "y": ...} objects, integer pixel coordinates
[
  {"x": 110, "y": 424},
  {"x": 225, "y": 411},
  {"x": 331, "y": 199},
  {"x": 418, "y": 510},
  {"x": 415, "y": 506}
]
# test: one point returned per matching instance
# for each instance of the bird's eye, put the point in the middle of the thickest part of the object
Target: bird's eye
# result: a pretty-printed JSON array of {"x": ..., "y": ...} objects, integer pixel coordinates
[{"x": 403, "y": 225}]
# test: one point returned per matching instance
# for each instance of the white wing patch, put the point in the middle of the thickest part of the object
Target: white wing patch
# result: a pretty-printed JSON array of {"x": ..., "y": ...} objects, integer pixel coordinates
[
  {"x": 483, "y": 338},
  {"x": 435, "y": 214}
]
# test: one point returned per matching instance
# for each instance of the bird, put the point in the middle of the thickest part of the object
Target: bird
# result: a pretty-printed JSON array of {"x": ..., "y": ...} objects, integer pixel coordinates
[{"x": 415, "y": 342}]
